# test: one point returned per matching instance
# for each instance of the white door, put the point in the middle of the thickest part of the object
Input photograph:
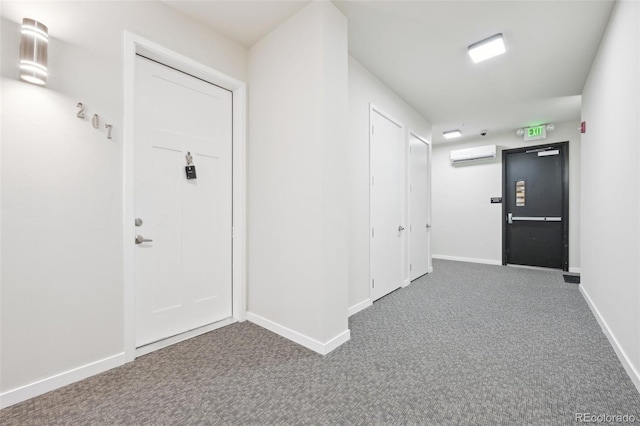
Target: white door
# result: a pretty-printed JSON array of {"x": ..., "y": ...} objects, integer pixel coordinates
[
  {"x": 419, "y": 187},
  {"x": 387, "y": 229},
  {"x": 183, "y": 276}
]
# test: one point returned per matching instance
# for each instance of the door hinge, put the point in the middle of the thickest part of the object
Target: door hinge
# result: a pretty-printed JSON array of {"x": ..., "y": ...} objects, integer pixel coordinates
[
  {"x": 373, "y": 180},
  {"x": 410, "y": 228},
  {"x": 373, "y": 283},
  {"x": 373, "y": 233},
  {"x": 410, "y": 190},
  {"x": 372, "y": 130},
  {"x": 410, "y": 267}
]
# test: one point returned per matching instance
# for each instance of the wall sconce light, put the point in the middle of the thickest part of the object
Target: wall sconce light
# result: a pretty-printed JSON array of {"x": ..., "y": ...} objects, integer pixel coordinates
[{"x": 33, "y": 51}]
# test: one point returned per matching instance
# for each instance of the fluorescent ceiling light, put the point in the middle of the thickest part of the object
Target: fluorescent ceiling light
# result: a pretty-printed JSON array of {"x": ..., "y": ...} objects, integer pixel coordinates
[
  {"x": 487, "y": 48},
  {"x": 452, "y": 134}
]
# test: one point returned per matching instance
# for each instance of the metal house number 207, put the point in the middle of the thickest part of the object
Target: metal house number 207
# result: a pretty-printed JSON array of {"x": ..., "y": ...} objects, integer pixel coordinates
[{"x": 95, "y": 120}]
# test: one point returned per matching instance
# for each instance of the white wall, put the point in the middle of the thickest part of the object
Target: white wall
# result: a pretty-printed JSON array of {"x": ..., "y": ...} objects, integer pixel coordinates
[
  {"x": 62, "y": 185},
  {"x": 465, "y": 225},
  {"x": 611, "y": 179},
  {"x": 297, "y": 217},
  {"x": 365, "y": 88}
]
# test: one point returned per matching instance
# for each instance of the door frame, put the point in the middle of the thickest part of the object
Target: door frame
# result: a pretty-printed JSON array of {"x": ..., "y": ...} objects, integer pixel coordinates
[
  {"x": 404, "y": 262},
  {"x": 133, "y": 45},
  {"x": 564, "y": 149},
  {"x": 428, "y": 143}
]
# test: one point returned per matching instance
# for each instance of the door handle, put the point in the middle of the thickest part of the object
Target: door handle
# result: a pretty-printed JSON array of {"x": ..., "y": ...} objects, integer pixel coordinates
[
  {"x": 400, "y": 228},
  {"x": 509, "y": 218},
  {"x": 428, "y": 226},
  {"x": 538, "y": 218},
  {"x": 140, "y": 239}
]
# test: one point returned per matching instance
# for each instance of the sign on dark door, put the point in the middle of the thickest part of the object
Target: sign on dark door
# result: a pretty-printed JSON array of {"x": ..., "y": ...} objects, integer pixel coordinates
[{"x": 536, "y": 206}]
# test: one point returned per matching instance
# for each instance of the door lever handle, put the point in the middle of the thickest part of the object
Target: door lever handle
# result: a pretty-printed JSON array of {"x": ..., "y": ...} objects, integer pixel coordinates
[
  {"x": 140, "y": 239},
  {"x": 509, "y": 218},
  {"x": 400, "y": 228}
]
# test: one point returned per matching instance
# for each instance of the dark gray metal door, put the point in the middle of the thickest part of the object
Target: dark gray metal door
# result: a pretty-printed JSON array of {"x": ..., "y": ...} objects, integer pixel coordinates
[{"x": 536, "y": 206}]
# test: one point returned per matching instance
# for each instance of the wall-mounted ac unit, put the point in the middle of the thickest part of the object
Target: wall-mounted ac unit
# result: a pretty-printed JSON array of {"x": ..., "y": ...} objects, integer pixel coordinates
[{"x": 473, "y": 154}]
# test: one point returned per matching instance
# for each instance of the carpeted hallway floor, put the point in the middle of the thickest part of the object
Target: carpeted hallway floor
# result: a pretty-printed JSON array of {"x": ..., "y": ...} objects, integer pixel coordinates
[{"x": 468, "y": 344}]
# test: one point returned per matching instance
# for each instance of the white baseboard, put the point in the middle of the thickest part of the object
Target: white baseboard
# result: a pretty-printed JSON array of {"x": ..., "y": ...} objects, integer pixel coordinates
[
  {"x": 147, "y": 349},
  {"x": 301, "y": 339},
  {"x": 622, "y": 356},
  {"x": 467, "y": 259},
  {"x": 574, "y": 270},
  {"x": 406, "y": 283},
  {"x": 43, "y": 386},
  {"x": 359, "y": 307},
  {"x": 337, "y": 341}
]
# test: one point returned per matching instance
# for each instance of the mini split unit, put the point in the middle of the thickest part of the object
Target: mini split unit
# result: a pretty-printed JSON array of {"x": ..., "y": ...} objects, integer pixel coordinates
[{"x": 473, "y": 154}]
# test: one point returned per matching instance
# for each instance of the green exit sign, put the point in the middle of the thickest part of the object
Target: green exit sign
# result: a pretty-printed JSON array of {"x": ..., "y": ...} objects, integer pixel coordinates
[{"x": 534, "y": 133}]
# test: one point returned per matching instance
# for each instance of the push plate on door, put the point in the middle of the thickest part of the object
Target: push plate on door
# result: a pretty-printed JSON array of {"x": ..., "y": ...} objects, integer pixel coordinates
[{"x": 191, "y": 172}]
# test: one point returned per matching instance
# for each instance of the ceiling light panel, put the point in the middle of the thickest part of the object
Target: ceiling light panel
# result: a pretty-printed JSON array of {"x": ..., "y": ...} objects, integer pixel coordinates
[
  {"x": 452, "y": 134},
  {"x": 487, "y": 48}
]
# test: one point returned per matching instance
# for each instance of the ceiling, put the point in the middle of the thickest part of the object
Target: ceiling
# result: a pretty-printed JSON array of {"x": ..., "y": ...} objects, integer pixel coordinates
[
  {"x": 244, "y": 21},
  {"x": 419, "y": 49}
]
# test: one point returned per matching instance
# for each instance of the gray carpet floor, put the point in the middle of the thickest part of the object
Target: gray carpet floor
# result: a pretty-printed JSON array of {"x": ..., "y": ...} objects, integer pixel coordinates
[{"x": 468, "y": 344}]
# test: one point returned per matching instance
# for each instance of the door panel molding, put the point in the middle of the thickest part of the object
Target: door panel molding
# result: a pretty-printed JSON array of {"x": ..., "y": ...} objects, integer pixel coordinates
[
  {"x": 563, "y": 147},
  {"x": 134, "y": 45}
]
